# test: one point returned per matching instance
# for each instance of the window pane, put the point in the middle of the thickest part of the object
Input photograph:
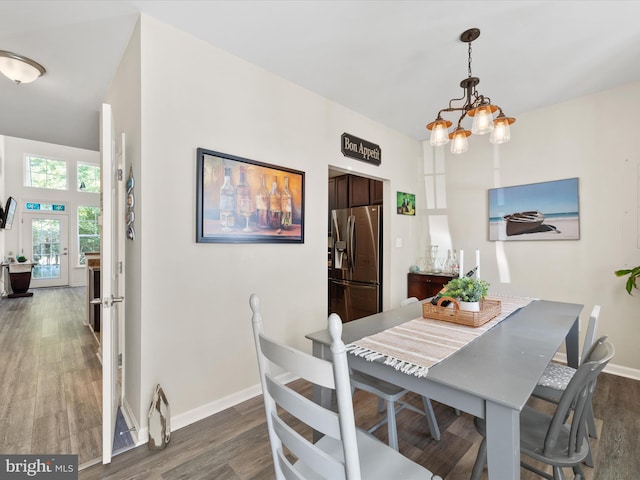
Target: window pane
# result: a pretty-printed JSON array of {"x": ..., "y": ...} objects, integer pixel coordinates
[
  {"x": 88, "y": 178},
  {"x": 45, "y": 173},
  {"x": 88, "y": 232}
]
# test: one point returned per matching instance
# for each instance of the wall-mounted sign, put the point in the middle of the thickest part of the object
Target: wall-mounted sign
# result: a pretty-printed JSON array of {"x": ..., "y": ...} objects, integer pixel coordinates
[{"x": 359, "y": 149}]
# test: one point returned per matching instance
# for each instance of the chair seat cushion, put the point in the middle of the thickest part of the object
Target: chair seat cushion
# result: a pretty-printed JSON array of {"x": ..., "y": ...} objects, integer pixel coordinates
[
  {"x": 377, "y": 460},
  {"x": 556, "y": 376}
]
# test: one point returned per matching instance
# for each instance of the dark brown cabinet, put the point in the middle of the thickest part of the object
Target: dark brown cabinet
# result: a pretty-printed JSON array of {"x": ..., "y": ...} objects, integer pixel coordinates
[
  {"x": 358, "y": 191},
  {"x": 425, "y": 285},
  {"x": 348, "y": 191}
]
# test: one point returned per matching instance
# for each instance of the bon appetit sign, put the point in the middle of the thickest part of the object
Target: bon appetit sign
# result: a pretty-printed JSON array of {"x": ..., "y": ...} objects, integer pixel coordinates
[{"x": 359, "y": 149}]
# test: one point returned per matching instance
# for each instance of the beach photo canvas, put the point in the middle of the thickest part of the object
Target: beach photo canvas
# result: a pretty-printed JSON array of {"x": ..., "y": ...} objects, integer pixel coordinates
[{"x": 537, "y": 211}]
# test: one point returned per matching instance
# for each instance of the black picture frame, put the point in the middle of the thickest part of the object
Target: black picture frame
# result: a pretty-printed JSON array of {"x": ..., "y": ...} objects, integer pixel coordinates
[{"x": 247, "y": 223}]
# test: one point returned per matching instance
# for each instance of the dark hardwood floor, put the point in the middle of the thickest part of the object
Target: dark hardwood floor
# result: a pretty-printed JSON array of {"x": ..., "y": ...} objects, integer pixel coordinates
[
  {"x": 234, "y": 444},
  {"x": 50, "y": 390},
  {"x": 51, "y": 378}
]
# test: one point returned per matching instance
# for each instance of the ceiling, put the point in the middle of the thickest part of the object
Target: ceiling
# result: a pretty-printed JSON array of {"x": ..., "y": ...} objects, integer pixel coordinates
[{"x": 397, "y": 62}]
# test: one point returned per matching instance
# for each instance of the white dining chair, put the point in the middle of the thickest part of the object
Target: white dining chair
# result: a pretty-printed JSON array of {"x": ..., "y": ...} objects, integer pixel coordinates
[
  {"x": 551, "y": 439},
  {"x": 556, "y": 376},
  {"x": 389, "y": 399},
  {"x": 343, "y": 451}
]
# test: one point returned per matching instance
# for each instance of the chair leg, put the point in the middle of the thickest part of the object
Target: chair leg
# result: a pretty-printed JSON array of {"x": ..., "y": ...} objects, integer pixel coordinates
[
  {"x": 558, "y": 474},
  {"x": 431, "y": 419},
  {"x": 589, "y": 460},
  {"x": 591, "y": 423},
  {"x": 481, "y": 460},
  {"x": 578, "y": 472},
  {"x": 392, "y": 429},
  {"x": 380, "y": 404}
]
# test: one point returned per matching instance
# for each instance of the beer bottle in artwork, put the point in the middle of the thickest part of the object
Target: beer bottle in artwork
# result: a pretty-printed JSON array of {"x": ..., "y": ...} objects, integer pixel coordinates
[
  {"x": 243, "y": 201},
  {"x": 286, "y": 205},
  {"x": 275, "y": 207},
  {"x": 262, "y": 205},
  {"x": 227, "y": 202}
]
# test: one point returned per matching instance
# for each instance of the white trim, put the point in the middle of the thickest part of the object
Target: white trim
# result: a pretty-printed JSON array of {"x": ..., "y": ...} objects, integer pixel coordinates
[
  {"x": 217, "y": 406},
  {"x": 125, "y": 408},
  {"x": 611, "y": 368}
]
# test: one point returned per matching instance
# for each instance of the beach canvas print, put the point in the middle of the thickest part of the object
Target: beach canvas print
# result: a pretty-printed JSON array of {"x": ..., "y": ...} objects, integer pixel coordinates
[{"x": 537, "y": 211}]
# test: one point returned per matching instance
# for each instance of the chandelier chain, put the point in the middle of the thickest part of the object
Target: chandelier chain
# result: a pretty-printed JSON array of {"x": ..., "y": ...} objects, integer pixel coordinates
[{"x": 469, "y": 60}]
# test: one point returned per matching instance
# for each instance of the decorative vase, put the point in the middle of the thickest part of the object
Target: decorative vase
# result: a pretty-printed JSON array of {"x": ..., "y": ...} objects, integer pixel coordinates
[{"x": 469, "y": 306}]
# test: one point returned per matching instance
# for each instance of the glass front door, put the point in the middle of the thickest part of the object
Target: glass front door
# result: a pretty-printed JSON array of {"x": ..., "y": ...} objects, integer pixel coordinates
[{"x": 46, "y": 247}]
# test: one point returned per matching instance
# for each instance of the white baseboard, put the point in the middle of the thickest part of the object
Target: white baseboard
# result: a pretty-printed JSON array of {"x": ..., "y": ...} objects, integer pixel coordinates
[
  {"x": 204, "y": 411},
  {"x": 611, "y": 368}
]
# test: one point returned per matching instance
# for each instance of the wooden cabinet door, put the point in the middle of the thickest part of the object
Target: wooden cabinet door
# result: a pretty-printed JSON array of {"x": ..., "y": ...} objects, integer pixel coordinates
[
  {"x": 342, "y": 192},
  {"x": 375, "y": 192},
  {"x": 423, "y": 286},
  {"x": 358, "y": 191}
]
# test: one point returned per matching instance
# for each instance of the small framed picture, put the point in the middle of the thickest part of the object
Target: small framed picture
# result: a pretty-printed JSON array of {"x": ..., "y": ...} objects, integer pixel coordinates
[{"x": 406, "y": 203}]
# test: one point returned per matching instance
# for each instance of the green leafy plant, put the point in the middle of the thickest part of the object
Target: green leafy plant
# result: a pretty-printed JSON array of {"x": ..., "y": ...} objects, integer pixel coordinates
[
  {"x": 633, "y": 274},
  {"x": 21, "y": 258},
  {"x": 467, "y": 289}
]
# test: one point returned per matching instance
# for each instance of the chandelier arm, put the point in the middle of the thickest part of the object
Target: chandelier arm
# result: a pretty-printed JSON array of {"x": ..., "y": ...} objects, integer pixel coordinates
[{"x": 457, "y": 100}]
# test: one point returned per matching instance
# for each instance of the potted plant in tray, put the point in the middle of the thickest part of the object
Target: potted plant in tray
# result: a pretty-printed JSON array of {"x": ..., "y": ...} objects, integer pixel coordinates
[{"x": 468, "y": 291}]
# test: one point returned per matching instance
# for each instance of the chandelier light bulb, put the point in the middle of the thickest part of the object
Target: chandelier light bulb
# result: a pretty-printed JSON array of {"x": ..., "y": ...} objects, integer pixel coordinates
[
  {"x": 501, "y": 132},
  {"x": 459, "y": 142},
  {"x": 482, "y": 120},
  {"x": 439, "y": 134}
]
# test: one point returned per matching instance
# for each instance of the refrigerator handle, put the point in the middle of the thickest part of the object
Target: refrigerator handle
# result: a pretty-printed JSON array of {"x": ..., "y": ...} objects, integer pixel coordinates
[{"x": 352, "y": 242}]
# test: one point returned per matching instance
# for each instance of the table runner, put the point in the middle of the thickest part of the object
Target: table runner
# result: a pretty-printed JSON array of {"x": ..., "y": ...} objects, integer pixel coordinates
[{"x": 415, "y": 346}]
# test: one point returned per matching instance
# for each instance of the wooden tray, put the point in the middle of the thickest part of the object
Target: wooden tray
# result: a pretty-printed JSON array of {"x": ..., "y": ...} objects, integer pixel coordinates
[{"x": 488, "y": 309}]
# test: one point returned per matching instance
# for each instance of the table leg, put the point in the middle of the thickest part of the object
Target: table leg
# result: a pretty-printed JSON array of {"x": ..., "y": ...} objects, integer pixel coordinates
[
  {"x": 321, "y": 395},
  {"x": 503, "y": 442},
  {"x": 571, "y": 344}
]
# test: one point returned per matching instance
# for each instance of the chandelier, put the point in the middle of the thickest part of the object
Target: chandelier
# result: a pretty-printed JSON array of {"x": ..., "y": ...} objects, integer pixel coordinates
[{"x": 475, "y": 105}]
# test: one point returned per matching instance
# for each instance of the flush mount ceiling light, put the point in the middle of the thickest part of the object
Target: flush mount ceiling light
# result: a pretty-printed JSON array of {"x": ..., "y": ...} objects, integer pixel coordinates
[
  {"x": 18, "y": 68},
  {"x": 475, "y": 105}
]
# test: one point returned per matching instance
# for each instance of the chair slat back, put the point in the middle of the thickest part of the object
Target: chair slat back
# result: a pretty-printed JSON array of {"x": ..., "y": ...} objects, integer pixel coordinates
[
  {"x": 577, "y": 397},
  {"x": 590, "y": 336},
  {"x": 282, "y": 430}
]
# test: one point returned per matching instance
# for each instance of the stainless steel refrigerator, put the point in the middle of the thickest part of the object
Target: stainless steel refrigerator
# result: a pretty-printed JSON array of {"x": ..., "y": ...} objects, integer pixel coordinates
[{"x": 355, "y": 273}]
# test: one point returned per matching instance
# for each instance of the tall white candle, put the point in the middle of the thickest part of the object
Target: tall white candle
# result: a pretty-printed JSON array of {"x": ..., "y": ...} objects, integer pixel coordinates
[
  {"x": 478, "y": 264},
  {"x": 461, "y": 274}
]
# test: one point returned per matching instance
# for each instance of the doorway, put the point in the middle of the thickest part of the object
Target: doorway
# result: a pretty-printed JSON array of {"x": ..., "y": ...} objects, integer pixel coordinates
[{"x": 46, "y": 243}]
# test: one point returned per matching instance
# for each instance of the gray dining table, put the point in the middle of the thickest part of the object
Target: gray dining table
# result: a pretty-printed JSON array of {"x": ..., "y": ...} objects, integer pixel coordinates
[{"x": 492, "y": 377}]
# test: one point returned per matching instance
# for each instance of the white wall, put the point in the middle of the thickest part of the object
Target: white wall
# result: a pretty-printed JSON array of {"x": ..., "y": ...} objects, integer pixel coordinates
[
  {"x": 194, "y": 335},
  {"x": 15, "y": 150},
  {"x": 594, "y": 142},
  {"x": 125, "y": 99}
]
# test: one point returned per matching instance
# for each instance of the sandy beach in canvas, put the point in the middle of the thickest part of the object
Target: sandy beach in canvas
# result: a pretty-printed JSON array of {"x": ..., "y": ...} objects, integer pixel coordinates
[{"x": 568, "y": 228}]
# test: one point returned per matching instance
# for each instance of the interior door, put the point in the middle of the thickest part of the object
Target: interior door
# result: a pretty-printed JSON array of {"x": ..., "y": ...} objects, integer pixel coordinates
[
  {"x": 46, "y": 242},
  {"x": 109, "y": 281}
]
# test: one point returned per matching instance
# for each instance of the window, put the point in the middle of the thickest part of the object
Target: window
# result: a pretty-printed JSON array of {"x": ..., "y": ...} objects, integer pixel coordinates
[
  {"x": 88, "y": 232},
  {"x": 88, "y": 178},
  {"x": 45, "y": 173}
]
